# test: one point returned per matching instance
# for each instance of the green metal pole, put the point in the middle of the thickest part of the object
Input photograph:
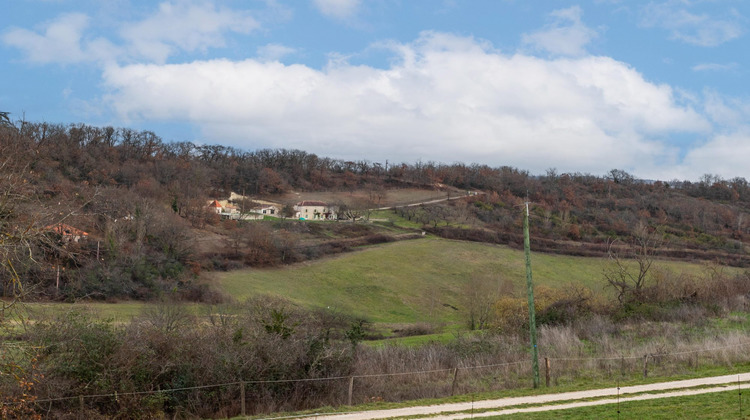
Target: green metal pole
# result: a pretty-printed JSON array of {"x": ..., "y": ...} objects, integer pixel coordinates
[{"x": 530, "y": 291}]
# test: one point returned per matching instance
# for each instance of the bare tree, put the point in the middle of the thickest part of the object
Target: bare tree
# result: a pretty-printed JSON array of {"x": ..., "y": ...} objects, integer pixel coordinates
[
  {"x": 628, "y": 271},
  {"x": 16, "y": 243},
  {"x": 481, "y": 293},
  {"x": 4, "y": 119}
]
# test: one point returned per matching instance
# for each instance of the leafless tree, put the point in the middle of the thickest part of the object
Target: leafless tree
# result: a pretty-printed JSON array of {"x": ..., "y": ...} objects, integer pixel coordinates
[
  {"x": 628, "y": 271},
  {"x": 481, "y": 293}
]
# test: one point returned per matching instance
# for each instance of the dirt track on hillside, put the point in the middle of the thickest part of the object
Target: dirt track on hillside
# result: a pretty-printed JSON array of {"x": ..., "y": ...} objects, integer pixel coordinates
[{"x": 563, "y": 400}]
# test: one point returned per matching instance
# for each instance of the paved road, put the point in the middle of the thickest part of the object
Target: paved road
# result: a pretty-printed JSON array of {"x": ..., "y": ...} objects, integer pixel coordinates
[{"x": 434, "y": 412}]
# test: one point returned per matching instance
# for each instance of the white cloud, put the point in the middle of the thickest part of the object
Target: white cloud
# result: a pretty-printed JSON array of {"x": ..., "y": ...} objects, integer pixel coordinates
[
  {"x": 715, "y": 67},
  {"x": 696, "y": 29},
  {"x": 726, "y": 111},
  {"x": 566, "y": 35},
  {"x": 180, "y": 25},
  {"x": 184, "y": 25},
  {"x": 448, "y": 99},
  {"x": 337, "y": 9},
  {"x": 724, "y": 155},
  {"x": 274, "y": 52},
  {"x": 59, "y": 41}
]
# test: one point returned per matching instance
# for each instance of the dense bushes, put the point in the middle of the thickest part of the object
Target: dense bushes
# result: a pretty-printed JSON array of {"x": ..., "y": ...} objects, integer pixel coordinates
[
  {"x": 666, "y": 297},
  {"x": 169, "y": 347}
]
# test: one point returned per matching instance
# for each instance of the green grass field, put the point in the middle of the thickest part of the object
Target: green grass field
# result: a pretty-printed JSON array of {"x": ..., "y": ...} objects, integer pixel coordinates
[
  {"x": 414, "y": 281},
  {"x": 423, "y": 280},
  {"x": 719, "y": 405}
]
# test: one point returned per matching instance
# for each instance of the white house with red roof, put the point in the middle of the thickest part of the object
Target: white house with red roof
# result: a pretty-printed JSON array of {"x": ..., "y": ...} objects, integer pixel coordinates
[{"x": 226, "y": 210}]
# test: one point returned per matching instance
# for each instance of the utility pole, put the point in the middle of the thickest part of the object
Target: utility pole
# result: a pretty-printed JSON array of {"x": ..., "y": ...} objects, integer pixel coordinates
[{"x": 530, "y": 291}]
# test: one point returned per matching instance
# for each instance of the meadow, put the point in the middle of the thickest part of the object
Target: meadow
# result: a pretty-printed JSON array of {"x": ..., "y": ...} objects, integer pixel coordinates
[
  {"x": 423, "y": 280},
  {"x": 393, "y": 285}
]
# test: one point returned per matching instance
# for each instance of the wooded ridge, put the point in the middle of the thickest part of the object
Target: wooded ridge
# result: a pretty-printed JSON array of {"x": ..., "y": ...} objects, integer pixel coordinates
[{"x": 105, "y": 212}]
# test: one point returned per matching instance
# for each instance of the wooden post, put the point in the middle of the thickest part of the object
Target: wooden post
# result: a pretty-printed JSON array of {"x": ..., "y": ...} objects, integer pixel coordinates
[
  {"x": 645, "y": 365},
  {"x": 546, "y": 373},
  {"x": 242, "y": 398},
  {"x": 351, "y": 389},
  {"x": 453, "y": 386},
  {"x": 80, "y": 401}
]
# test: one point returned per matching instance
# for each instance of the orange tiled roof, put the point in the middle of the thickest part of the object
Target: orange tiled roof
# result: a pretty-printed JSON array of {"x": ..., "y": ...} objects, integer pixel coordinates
[{"x": 66, "y": 230}]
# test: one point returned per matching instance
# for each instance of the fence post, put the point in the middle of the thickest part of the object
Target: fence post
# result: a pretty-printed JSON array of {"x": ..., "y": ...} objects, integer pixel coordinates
[
  {"x": 242, "y": 397},
  {"x": 80, "y": 402},
  {"x": 546, "y": 371},
  {"x": 351, "y": 389},
  {"x": 453, "y": 385},
  {"x": 645, "y": 365}
]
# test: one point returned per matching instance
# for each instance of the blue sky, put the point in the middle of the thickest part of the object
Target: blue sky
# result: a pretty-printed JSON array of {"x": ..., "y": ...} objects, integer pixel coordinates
[{"x": 657, "y": 88}]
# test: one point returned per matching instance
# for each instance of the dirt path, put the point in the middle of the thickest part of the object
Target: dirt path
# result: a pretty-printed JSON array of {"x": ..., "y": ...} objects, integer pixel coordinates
[
  {"x": 421, "y": 203},
  {"x": 463, "y": 410}
]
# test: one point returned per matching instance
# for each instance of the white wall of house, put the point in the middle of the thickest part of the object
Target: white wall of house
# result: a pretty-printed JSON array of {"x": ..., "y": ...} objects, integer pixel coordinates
[{"x": 315, "y": 212}]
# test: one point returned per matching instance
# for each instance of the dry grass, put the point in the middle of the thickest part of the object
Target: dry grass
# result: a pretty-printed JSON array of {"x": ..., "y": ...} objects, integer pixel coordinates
[{"x": 594, "y": 351}]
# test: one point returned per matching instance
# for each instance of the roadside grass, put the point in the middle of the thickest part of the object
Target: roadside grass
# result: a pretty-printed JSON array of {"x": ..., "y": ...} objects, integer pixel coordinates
[
  {"x": 582, "y": 384},
  {"x": 419, "y": 280},
  {"x": 715, "y": 405}
]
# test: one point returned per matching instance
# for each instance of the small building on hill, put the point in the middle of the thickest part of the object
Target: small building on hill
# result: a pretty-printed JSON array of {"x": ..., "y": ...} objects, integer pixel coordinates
[
  {"x": 224, "y": 209},
  {"x": 267, "y": 210},
  {"x": 67, "y": 233},
  {"x": 315, "y": 210}
]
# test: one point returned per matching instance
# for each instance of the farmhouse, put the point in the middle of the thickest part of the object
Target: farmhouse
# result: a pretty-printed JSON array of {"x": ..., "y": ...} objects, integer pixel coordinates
[
  {"x": 266, "y": 208},
  {"x": 315, "y": 210},
  {"x": 224, "y": 209},
  {"x": 67, "y": 233}
]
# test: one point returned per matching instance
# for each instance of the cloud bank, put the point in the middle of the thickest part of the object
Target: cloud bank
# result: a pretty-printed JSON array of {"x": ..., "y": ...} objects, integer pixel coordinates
[{"x": 444, "y": 98}]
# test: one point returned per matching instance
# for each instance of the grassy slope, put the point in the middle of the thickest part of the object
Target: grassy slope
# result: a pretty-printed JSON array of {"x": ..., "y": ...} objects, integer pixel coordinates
[{"x": 409, "y": 281}]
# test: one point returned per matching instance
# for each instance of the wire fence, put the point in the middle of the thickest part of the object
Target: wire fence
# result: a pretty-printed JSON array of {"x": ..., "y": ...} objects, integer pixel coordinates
[{"x": 459, "y": 379}]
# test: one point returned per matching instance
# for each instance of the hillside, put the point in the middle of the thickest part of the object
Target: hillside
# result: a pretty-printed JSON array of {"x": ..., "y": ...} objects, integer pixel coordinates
[
  {"x": 425, "y": 252},
  {"x": 435, "y": 281},
  {"x": 140, "y": 205}
]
